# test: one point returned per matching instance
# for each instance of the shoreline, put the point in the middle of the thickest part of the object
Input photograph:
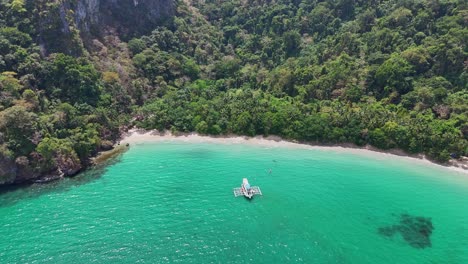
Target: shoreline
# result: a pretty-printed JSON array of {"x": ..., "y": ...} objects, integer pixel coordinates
[
  {"x": 135, "y": 136},
  {"x": 103, "y": 156}
]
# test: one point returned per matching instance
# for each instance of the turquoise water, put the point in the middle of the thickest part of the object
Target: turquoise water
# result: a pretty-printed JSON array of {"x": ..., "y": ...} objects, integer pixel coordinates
[{"x": 172, "y": 202}]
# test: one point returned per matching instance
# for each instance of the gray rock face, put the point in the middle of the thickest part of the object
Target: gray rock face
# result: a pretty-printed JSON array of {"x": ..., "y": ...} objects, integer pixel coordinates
[
  {"x": 87, "y": 14},
  {"x": 65, "y": 25},
  {"x": 129, "y": 17},
  {"x": 18, "y": 171},
  {"x": 8, "y": 170}
]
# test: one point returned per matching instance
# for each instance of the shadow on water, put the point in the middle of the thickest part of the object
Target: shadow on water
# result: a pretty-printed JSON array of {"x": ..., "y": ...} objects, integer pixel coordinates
[
  {"x": 197, "y": 153},
  {"x": 10, "y": 195},
  {"x": 415, "y": 230}
]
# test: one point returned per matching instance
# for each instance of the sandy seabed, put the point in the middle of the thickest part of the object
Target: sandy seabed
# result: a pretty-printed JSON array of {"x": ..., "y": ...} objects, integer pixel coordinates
[{"x": 136, "y": 136}]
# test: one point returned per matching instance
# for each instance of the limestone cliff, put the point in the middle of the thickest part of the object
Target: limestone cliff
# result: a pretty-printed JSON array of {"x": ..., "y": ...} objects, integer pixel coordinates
[
  {"x": 129, "y": 17},
  {"x": 63, "y": 24}
]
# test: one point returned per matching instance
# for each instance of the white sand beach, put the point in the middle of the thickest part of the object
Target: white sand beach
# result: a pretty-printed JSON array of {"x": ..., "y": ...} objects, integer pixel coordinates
[{"x": 137, "y": 136}]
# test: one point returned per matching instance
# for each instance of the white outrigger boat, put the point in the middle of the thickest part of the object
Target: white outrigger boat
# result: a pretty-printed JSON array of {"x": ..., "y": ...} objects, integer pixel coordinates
[{"x": 247, "y": 190}]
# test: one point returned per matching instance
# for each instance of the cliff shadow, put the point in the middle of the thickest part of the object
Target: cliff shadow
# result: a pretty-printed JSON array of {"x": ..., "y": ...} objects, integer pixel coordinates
[{"x": 11, "y": 194}]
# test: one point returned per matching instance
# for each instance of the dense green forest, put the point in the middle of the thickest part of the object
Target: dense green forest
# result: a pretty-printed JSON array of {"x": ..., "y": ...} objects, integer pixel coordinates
[
  {"x": 392, "y": 74},
  {"x": 386, "y": 73}
]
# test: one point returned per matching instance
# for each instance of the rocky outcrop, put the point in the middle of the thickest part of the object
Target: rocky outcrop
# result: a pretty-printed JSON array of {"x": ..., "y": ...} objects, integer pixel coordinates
[
  {"x": 87, "y": 15},
  {"x": 63, "y": 25},
  {"x": 128, "y": 17},
  {"x": 22, "y": 170},
  {"x": 16, "y": 171},
  {"x": 68, "y": 165},
  {"x": 25, "y": 172},
  {"x": 8, "y": 170}
]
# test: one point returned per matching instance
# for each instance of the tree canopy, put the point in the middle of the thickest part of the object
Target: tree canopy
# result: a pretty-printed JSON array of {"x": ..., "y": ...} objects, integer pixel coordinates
[{"x": 392, "y": 74}]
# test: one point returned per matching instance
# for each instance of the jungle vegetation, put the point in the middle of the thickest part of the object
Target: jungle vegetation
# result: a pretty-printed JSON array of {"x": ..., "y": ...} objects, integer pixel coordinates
[{"x": 392, "y": 74}]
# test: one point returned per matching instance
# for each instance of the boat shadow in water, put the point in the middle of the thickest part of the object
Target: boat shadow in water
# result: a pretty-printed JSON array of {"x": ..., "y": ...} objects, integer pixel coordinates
[
  {"x": 11, "y": 194},
  {"x": 415, "y": 230}
]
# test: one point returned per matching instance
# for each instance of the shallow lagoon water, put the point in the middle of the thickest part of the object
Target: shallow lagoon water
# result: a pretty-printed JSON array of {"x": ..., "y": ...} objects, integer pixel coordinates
[{"x": 172, "y": 202}]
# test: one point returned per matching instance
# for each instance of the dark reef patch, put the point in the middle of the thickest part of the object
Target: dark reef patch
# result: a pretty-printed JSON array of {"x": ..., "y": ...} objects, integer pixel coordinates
[{"x": 415, "y": 230}]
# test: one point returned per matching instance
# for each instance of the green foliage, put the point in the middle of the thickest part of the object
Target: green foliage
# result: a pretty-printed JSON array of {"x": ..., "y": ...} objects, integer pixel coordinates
[
  {"x": 18, "y": 5},
  {"x": 15, "y": 36},
  {"x": 136, "y": 45},
  {"x": 292, "y": 42},
  {"x": 50, "y": 105},
  {"x": 9, "y": 83},
  {"x": 72, "y": 80},
  {"x": 387, "y": 73},
  {"x": 191, "y": 69},
  {"x": 250, "y": 112},
  {"x": 202, "y": 127},
  {"x": 394, "y": 75},
  {"x": 18, "y": 126},
  {"x": 57, "y": 153}
]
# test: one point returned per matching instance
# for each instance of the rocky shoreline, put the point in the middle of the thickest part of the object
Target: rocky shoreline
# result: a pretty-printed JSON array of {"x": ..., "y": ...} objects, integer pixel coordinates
[
  {"x": 20, "y": 175},
  {"x": 105, "y": 156}
]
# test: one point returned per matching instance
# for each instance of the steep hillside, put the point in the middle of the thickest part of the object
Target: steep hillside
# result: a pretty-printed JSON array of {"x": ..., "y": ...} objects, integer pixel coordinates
[
  {"x": 392, "y": 74},
  {"x": 67, "y": 20},
  {"x": 74, "y": 74},
  {"x": 64, "y": 80}
]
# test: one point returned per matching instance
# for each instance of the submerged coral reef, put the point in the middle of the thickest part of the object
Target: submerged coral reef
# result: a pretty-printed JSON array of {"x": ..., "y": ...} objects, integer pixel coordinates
[{"x": 415, "y": 230}]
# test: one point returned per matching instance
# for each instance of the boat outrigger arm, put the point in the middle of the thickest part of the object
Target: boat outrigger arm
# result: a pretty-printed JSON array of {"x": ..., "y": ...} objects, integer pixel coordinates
[{"x": 247, "y": 190}]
